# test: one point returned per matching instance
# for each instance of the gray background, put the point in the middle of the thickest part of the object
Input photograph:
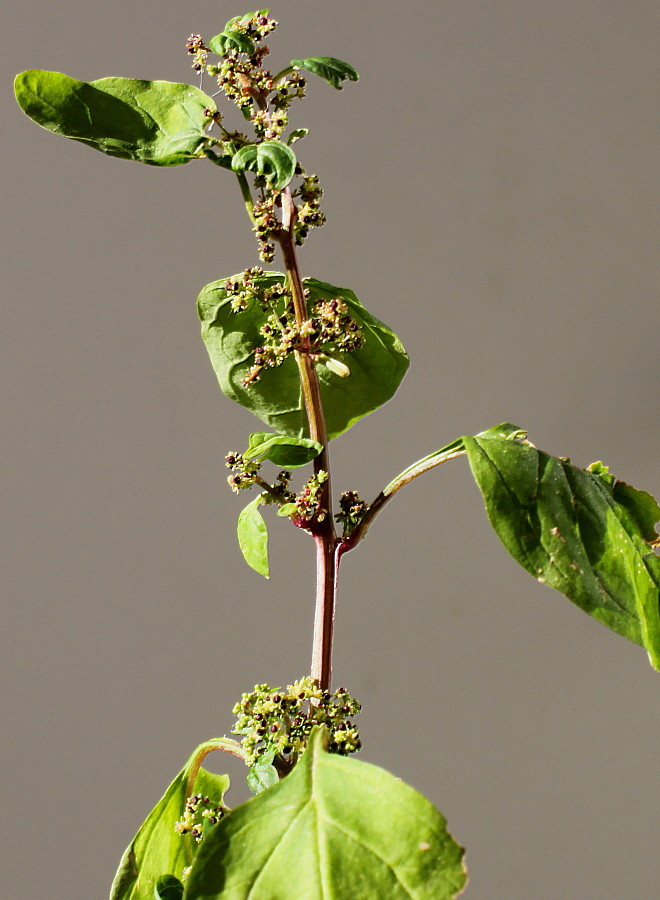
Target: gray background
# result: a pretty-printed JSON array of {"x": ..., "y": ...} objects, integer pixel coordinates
[{"x": 491, "y": 193}]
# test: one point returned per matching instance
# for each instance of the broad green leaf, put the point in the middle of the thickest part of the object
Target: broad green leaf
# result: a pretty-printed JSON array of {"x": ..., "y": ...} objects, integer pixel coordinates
[
  {"x": 282, "y": 450},
  {"x": 168, "y": 888},
  {"x": 335, "y": 827},
  {"x": 581, "y": 532},
  {"x": 332, "y": 70},
  {"x": 253, "y": 537},
  {"x": 505, "y": 431},
  {"x": 273, "y": 159},
  {"x": 155, "y": 122},
  {"x": 157, "y": 849},
  {"x": 229, "y": 40},
  {"x": 230, "y": 338}
]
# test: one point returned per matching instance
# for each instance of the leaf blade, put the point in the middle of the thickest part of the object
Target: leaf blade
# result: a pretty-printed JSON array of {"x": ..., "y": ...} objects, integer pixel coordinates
[
  {"x": 332, "y": 70},
  {"x": 570, "y": 529},
  {"x": 154, "y": 122},
  {"x": 377, "y": 368},
  {"x": 283, "y": 450},
  {"x": 334, "y": 827},
  {"x": 253, "y": 537},
  {"x": 272, "y": 159}
]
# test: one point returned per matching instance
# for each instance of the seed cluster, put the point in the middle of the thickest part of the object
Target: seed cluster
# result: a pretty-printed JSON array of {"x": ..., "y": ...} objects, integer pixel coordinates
[
  {"x": 264, "y": 99},
  {"x": 198, "y": 815},
  {"x": 306, "y": 506},
  {"x": 244, "y": 471},
  {"x": 273, "y": 720}
]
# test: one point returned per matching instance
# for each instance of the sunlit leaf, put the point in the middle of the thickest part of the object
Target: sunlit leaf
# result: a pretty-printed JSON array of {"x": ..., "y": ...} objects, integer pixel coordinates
[
  {"x": 157, "y": 849},
  {"x": 332, "y": 70},
  {"x": 155, "y": 122},
  {"x": 376, "y": 368},
  {"x": 168, "y": 888},
  {"x": 253, "y": 537},
  {"x": 335, "y": 827},
  {"x": 283, "y": 450},
  {"x": 581, "y": 532},
  {"x": 272, "y": 159},
  {"x": 229, "y": 40}
]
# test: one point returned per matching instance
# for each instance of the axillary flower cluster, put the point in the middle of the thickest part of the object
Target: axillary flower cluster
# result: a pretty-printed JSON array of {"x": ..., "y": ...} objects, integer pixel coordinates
[
  {"x": 277, "y": 723},
  {"x": 264, "y": 100}
]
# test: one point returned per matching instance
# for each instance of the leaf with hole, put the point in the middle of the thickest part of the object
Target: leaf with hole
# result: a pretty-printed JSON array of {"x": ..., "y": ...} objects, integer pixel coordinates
[
  {"x": 272, "y": 159},
  {"x": 157, "y": 849},
  {"x": 253, "y": 537},
  {"x": 579, "y": 531},
  {"x": 332, "y": 70},
  {"x": 155, "y": 122},
  {"x": 283, "y": 450},
  {"x": 377, "y": 368},
  {"x": 334, "y": 827},
  {"x": 168, "y": 888}
]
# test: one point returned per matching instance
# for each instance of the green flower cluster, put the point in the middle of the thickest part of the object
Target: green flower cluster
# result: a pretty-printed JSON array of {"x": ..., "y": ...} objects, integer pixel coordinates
[
  {"x": 277, "y": 722},
  {"x": 199, "y": 814},
  {"x": 351, "y": 510}
]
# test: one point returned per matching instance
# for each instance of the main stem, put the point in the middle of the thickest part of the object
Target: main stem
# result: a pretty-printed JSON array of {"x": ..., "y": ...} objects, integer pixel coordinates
[{"x": 324, "y": 531}]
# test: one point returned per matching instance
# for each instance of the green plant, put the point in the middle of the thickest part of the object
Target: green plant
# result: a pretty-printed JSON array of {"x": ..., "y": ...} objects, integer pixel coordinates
[{"x": 309, "y": 361}]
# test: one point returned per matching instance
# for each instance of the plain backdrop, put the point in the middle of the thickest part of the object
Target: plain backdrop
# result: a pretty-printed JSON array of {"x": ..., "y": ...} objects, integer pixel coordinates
[{"x": 491, "y": 192}]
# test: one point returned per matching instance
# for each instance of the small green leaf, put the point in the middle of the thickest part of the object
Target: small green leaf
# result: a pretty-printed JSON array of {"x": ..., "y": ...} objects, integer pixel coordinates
[
  {"x": 334, "y": 827},
  {"x": 297, "y": 135},
  {"x": 282, "y": 450},
  {"x": 157, "y": 847},
  {"x": 377, "y": 368},
  {"x": 263, "y": 774},
  {"x": 287, "y": 509},
  {"x": 274, "y": 160},
  {"x": 332, "y": 70},
  {"x": 253, "y": 537},
  {"x": 168, "y": 888},
  {"x": 578, "y": 531},
  {"x": 229, "y": 40},
  {"x": 155, "y": 122}
]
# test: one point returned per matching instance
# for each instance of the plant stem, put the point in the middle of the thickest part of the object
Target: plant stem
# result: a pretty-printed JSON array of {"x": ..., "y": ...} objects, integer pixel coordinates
[{"x": 323, "y": 531}]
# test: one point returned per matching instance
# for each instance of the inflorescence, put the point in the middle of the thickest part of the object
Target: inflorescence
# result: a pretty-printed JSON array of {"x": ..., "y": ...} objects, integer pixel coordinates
[
  {"x": 264, "y": 99},
  {"x": 329, "y": 330},
  {"x": 277, "y": 722}
]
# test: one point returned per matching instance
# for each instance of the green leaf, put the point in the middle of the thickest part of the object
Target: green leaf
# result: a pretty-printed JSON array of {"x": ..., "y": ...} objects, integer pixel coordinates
[
  {"x": 287, "y": 509},
  {"x": 273, "y": 159},
  {"x": 229, "y": 40},
  {"x": 505, "y": 430},
  {"x": 263, "y": 774},
  {"x": 168, "y": 888},
  {"x": 334, "y": 827},
  {"x": 282, "y": 450},
  {"x": 332, "y": 70},
  {"x": 376, "y": 369},
  {"x": 253, "y": 537},
  {"x": 157, "y": 848},
  {"x": 578, "y": 531},
  {"x": 155, "y": 122}
]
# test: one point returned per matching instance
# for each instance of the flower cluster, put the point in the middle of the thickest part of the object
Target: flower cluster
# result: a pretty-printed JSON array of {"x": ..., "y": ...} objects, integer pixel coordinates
[
  {"x": 273, "y": 720},
  {"x": 264, "y": 99},
  {"x": 351, "y": 511},
  {"x": 199, "y": 814},
  {"x": 244, "y": 471},
  {"x": 306, "y": 507}
]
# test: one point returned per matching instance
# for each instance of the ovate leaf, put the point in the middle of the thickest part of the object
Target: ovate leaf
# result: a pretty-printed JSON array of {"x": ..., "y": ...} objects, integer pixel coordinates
[
  {"x": 282, "y": 450},
  {"x": 274, "y": 160},
  {"x": 253, "y": 538},
  {"x": 581, "y": 532},
  {"x": 157, "y": 849},
  {"x": 155, "y": 122},
  {"x": 168, "y": 888},
  {"x": 376, "y": 369},
  {"x": 335, "y": 827},
  {"x": 229, "y": 40},
  {"x": 332, "y": 70}
]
